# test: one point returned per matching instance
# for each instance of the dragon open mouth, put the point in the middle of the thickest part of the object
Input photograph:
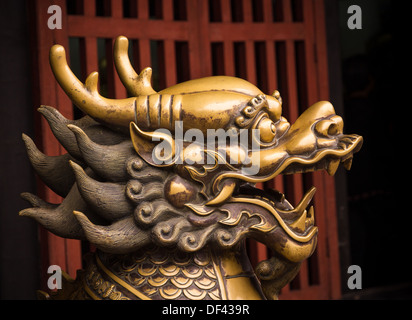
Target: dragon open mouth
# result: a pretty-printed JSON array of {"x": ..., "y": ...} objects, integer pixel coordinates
[{"x": 299, "y": 222}]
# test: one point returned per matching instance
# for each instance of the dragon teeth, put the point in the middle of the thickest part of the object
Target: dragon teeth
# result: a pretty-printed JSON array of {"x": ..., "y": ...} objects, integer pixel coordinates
[
  {"x": 311, "y": 216},
  {"x": 348, "y": 163},
  {"x": 333, "y": 166},
  {"x": 311, "y": 212},
  {"x": 300, "y": 223}
]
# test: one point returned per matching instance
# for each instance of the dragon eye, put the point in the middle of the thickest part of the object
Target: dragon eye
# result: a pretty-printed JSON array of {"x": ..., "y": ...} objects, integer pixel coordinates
[{"x": 267, "y": 130}]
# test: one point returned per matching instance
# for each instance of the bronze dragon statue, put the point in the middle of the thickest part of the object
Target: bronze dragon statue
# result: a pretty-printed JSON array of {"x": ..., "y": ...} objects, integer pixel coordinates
[{"x": 167, "y": 207}]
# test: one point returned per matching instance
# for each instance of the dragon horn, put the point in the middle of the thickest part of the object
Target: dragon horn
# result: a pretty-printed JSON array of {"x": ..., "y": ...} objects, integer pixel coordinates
[
  {"x": 115, "y": 112},
  {"x": 123, "y": 236},
  {"x": 136, "y": 85},
  {"x": 113, "y": 205}
]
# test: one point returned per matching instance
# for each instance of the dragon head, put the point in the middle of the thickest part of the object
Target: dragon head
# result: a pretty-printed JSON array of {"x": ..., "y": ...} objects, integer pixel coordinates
[{"x": 178, "y": 167}]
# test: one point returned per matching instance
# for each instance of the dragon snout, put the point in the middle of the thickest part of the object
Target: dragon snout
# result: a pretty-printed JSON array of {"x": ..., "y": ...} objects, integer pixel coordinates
[
  {"x": 328, "y": 130},
  {"x": 318, "y": 127}
]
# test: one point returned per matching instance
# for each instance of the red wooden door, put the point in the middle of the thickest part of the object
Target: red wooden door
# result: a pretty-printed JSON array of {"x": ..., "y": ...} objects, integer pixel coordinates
[{"x": 274, "y": 44}]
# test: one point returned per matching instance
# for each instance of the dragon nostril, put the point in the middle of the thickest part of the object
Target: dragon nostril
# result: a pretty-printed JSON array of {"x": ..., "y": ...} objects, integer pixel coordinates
[
  {"x": 333, "y": 129},
  {"x": 322, "y": 127},
  {"x": 267, "y": 130},
  {"x": 273, "y": 128},
  {"x": 276, "y": 94},
  {"x": 337, "y": 126},
  {"x": 330, "y": 127}
]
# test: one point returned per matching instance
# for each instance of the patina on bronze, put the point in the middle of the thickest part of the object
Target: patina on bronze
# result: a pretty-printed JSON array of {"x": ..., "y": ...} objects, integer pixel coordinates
[{"x": 177, "y": 229}]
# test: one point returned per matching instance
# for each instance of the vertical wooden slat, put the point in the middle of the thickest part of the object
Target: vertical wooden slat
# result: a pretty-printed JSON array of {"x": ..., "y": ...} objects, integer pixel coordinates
[
  {"x": 285, "y": 292},
  {"x": 135, "y": 55},
  {"x": 271, "y": 67},
  {"x": 303, "y": 275},
  {"x": 257, "y": 252},
  {"x": 276, "y": 183},
  {"x": 250, "y": 61},
  {"x": 203, "y": 33},
  {"x": 313, "y": 270},
  {"x": 119, "y": 89},
  {"x": 194, "y": 46},
  {"x": 73, "y": 256},
  {"x": 321, "y": 50},
  {"x": 56, "y": 247},
  {"x": 267, "y": 11},
  {"x": 229, "y": 60},
  {"x": 247, "y": 10},
  {"x": 262, "y": 253},
  {"x": 109, "y": 69},
  {"x": 144, "y": 53},
  {"x": 88, "y": 51},
  {"x": 292, "y": 98},
  {"x": 170, "y": 63},
  {"x": 89, "y": 8},
  {"x": 228, "y": 54},
  {"x": 143, "y": 9},
  {"x": 287, "y": 10},
  {"x": 310, "y": 63},
  {"x": 261, "y": 65},
  {"x": 116, "y": 8},
  {"x": 199, "y": 51},
  {"x": 226, "y": 11},
  {"x": 167, "y": 7}
]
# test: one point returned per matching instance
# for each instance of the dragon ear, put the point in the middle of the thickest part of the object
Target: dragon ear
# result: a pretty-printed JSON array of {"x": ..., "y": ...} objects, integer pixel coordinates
[{"x": 157, "y": 148}]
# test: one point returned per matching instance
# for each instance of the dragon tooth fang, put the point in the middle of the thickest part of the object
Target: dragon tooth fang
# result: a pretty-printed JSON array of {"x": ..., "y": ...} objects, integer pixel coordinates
[
  {"x": 348, "y": 163},
  {"x": 300, "y": 223},
  {"x": 310, "y": 213},
  {"x": 333, "y": 166}
]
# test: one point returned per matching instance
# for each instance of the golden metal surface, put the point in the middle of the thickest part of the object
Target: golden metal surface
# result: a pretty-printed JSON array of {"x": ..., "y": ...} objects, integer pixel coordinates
[{"x": 169, "y": 210}]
